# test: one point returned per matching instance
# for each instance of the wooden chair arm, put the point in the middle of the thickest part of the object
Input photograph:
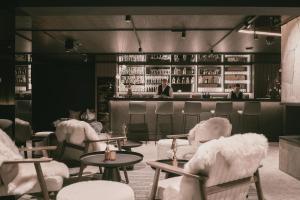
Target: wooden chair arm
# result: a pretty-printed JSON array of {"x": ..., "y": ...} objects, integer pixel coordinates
[
  {"x": 31, "y": 160},
  {"x": 106, "y": 140},
  {"x": 175, "y": 170},
  {"x": 178, "y": 136},
  {"x": 47, "y": 148}
]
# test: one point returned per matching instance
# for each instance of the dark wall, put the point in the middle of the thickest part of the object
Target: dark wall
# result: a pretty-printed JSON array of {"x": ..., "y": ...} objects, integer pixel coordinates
[
  {"x": 266, "y": 73},
  {"x": 57, "y": 87},
  {"x": 7, "y": 69},
  {"x": 7, "y": 23},
  {"x": 292, "y": 120}
]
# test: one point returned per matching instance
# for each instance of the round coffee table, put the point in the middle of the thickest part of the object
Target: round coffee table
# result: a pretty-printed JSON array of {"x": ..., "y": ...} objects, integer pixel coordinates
[
  {"x": 180, "y": 162},
  {"x": 111, "y": 168},
  {"x": 127, "y": 145}
]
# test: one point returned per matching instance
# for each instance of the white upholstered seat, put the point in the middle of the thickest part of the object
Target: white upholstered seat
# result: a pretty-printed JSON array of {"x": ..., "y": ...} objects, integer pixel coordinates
[{"x": 94, "y": 190}]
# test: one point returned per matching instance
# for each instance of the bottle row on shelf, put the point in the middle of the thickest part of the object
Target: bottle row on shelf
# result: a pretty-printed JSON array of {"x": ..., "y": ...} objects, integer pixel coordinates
[
  {"x": 183, "y": 80},
  {"x": 155, "y": 80},
  {"x": 210, "y": 79},
  {"x": 131, "y": 70},
  {"x": 183, "y": 58},
  {"x": 183, "y": 71},
  {"x": 134, "y": 80},
  {"x": 215, "y": 72},
  {"x": 162, "y": 72}
]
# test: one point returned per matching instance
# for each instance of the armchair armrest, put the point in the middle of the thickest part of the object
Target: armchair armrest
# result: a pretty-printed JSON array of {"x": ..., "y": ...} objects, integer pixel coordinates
[
  {"x": 175, "y": 170},
  {"x": 106, "y": 140},
  {"x": 31, "y": 160},
  {"x": 178, "y": 136},
  {"x": 47, "y": 148}
]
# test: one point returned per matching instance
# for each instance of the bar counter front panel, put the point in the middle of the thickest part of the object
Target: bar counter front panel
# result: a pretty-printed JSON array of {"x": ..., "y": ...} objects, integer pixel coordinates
[{"x": 271, "y": 120}]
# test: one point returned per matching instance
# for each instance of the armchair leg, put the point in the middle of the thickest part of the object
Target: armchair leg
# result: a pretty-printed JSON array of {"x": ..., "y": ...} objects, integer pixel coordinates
[
  {"x": 82, "y": 166},
  {"x": 258, "y": 186},
  {"x": 41, "y": 179},
  {"x": 155, "y": 184}
]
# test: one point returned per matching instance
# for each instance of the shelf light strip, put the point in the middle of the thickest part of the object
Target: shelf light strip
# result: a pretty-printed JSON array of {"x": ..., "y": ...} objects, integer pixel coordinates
[{"x": 260, "y": 32}]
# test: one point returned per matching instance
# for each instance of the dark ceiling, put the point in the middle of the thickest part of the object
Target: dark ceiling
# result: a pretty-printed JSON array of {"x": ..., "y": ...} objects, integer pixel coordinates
[{"x": 111, "y": 33}]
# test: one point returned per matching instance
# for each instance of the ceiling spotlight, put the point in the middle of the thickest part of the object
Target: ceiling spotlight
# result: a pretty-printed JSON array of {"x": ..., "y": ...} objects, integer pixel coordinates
[
  {"x": 140, "y": 49},
  {"x": 183, "y": 34},
  {"x": 128, "y": 18},
  {"x": 249, "y": 48},
  {"x": 211, "y": 51}
]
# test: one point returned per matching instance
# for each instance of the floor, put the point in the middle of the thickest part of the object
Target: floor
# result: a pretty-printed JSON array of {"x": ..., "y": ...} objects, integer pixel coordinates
[{"x": 276, "y": 184}]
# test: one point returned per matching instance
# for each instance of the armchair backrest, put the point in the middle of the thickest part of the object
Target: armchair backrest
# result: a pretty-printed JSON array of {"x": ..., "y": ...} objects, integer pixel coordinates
[
  {"x": 210, "y": 129},
  {"x": 228, "y": 159},
  {"x": 8, "y": 151}
]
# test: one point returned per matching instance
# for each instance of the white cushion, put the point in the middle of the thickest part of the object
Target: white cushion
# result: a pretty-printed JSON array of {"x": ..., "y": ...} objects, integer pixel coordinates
[
  {"x": 53, "y": 183},
  {"x": 164, "y": 145},
  {"x": 92, "y": 190},
  {"x": 174, "y": 183}
]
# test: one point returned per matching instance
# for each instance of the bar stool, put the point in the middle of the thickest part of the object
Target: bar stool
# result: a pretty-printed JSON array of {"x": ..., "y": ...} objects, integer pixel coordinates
[
  {"x": 137, "y": 108},
  {"x": 252, "y": 109},
  {"x": 191, "y": 109},
  {"x": 164, "y": 108},
  {"x": 223, "y": 109}
]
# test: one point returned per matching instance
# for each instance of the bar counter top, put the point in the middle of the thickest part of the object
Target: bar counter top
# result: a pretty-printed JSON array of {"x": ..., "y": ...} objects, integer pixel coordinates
[
  {"x": 188, "y": 99},
  {"x": 295, "y": 139}
]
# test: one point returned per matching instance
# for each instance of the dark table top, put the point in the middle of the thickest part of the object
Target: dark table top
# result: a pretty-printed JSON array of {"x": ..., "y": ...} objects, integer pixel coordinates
[
  {"x": 131, "y": 144},
  {"x": 123, "y": 158}
]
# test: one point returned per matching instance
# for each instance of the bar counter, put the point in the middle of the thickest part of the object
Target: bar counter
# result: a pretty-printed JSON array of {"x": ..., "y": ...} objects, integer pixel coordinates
[{"x": 271, "y": 120}]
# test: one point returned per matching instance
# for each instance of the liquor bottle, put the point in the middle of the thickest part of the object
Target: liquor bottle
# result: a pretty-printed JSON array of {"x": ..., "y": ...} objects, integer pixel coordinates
[
  {"x": 192, "y": 70},
  {"x": 187, "y": 80},
  {"x": 173, "y": 80},
  {"x": 184, "y": 71},
  {"x": 183, "y": 80}
]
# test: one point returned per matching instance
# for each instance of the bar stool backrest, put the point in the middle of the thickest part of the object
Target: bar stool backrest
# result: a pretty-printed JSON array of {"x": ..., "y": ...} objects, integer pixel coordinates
[
  {"x": 137, "y": 107},
  {"x": 164, "y": 108},
  {"x": 223, "y": 108},
  {"x": 252, "y": 108},
  {"x": 192, "y": 108}
]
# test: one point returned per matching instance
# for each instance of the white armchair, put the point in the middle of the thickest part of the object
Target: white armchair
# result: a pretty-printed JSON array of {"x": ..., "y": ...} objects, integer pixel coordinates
[
  {"x": 220, "y": 169},
  {"x": 204, "y": 131},
  {"x": 19, "y": 176}
]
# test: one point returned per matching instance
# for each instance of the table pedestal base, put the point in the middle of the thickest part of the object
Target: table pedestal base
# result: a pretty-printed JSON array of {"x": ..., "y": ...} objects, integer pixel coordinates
[{"x": 111, "y": 174}]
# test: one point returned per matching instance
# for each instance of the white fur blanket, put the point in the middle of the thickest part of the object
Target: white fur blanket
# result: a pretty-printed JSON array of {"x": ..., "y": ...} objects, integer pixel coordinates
[
  {"x": 76, "y": 132},
  {"x": 206, "y": 130},
  {"x": 212, "y": 128},
  {"x": 237, "y": 156},
  {"x": 21, "y": 178}
]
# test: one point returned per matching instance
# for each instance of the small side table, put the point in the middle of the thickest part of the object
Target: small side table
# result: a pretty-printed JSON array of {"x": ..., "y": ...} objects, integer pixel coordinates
[
  {"x": 94, "y": 190},
  {"x": 111, "y": 168},
  {"x": 127, "y": 145},
  {"x": 180, "y": 162}
]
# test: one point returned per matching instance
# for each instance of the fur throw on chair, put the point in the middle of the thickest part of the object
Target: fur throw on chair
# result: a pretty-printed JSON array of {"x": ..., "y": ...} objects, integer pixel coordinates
[
  {"x": 212, "y": 128},
  {"x": 206, "y": 130},
  {"x": 21, "y": 178},
  {"x": 76, "y": 132},
  {"x": 223, "y": 160}
]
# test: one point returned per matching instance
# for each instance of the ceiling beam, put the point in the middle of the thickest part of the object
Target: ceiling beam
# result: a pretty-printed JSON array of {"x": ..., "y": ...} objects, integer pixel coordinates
[
  {"x": 119, "y": 29},
  {"x": 237, "y": 27}
]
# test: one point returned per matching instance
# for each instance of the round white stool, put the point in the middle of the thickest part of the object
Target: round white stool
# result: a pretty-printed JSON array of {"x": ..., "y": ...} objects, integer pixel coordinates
[
  {"x": 96, "y": 190},
  {"x": 164, "y": 145}
]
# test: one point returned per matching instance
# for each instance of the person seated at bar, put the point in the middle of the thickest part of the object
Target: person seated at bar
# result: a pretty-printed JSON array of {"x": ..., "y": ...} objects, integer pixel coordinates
[
  {"x": 236, "y": 93},
  {"x": 164, "y": 90}
]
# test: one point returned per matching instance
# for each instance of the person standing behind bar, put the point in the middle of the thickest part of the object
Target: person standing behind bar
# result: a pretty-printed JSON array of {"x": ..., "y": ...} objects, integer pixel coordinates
[
  {"x": 236, "y": 93},
  {"x": 164, "y": 90}
]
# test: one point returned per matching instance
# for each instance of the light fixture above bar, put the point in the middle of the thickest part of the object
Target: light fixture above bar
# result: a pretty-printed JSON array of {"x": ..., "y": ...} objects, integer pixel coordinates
[{"x": 260, "y": 32}]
